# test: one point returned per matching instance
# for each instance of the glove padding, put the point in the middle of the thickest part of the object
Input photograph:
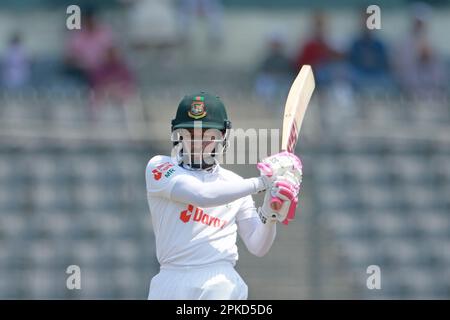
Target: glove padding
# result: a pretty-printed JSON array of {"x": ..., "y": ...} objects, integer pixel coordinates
[
  {"x": 279, "y": 165},
  {"x": 285, "y": 190}
]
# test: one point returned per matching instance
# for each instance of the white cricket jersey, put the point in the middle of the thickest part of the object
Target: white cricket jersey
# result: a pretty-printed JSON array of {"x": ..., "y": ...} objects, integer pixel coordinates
[{"x": 187, "y": 235}]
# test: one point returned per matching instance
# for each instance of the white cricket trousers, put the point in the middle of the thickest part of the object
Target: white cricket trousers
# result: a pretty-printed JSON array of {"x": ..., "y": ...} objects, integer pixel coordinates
[{"x": 212, "y": 282}]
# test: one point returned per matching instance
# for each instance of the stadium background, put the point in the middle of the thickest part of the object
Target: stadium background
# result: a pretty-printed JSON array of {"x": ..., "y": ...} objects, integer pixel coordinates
[{"x": 72, "y": 190}]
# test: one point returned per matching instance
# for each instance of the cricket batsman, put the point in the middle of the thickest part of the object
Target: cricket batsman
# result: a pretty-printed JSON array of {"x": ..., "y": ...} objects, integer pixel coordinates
[{"x": 198, "y": 207}]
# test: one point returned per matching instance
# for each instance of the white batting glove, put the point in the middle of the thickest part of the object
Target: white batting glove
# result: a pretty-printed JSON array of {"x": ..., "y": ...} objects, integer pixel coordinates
[{"x": 281, "y": 164}]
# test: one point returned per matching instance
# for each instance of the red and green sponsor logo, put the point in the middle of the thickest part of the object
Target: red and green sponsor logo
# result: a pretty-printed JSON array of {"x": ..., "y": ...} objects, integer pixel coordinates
[{"x": 166, "y": 168}]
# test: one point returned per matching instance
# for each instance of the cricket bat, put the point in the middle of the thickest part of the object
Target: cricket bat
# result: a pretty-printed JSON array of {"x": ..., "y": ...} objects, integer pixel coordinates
[{"x": 294, "y": 111}]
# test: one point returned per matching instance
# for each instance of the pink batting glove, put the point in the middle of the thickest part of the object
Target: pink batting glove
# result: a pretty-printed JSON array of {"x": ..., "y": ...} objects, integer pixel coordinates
[
  {"x": 285, "y": 192},
  {"x": 287, "y": 165}
]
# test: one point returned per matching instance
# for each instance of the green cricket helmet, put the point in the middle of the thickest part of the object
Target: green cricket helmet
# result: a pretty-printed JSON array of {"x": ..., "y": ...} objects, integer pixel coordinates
[
  {"x": 204, "y": 111},
  {"x": 201, "y": 109}
]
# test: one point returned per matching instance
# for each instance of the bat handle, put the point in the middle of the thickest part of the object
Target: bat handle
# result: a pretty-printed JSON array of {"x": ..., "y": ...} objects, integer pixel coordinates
[{"x": 276, "y": 203}]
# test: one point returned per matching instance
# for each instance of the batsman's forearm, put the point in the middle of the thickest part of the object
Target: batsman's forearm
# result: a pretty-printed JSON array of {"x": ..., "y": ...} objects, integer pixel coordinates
[
  {"x": 213, "y": 194},
  {"x": 257, "y": 236}
]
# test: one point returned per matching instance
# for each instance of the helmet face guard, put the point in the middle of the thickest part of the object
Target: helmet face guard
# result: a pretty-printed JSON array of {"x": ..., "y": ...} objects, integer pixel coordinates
[{"x": 198, "y": 148}]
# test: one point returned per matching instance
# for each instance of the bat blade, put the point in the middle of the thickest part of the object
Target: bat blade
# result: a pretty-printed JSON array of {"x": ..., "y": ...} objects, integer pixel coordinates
[
  {"x": 295, "y": 108},
  {"x": 294, "y": 111}
]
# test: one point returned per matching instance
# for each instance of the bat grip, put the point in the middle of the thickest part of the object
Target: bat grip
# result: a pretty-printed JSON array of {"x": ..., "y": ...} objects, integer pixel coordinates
[{"x": 276, "y": 203}]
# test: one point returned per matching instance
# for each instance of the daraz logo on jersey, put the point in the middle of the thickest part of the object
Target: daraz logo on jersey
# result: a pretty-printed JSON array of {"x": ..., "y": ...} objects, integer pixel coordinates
[
  {"x": 200, "y": 216},
  {"x": 165, "y": 168}
]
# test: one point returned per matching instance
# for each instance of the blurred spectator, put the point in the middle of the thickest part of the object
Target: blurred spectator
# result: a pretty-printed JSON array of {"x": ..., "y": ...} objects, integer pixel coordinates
[
  {"x": 419, "y": 69},
  {"x": 152, "y": 23},
  {"x": 318, "y": 53},
  {"x": 112, "y": 80},
  {"x": 369, "y": 60},
  {"x": 15, "y": 64},
  {"x": 86, "y": 49},
  {"x": 194, "y": 9},
  {"x": 275, "y": 73}
]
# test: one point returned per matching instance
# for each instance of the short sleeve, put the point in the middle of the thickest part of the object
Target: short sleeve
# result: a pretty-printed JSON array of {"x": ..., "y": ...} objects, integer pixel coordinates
[
  {"x": 160, "y": 176},
  {"x": 247, "y": 209}
]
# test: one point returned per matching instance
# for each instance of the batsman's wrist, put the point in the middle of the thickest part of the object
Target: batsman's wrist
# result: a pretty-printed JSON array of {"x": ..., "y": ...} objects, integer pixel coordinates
[
  {"x": 266, "y": 218},
  {"x": 260, "y": 184}
]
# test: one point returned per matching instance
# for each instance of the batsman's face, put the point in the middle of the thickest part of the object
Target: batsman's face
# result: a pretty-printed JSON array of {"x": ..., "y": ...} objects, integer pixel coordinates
[{"x": 201, "y": 144}]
